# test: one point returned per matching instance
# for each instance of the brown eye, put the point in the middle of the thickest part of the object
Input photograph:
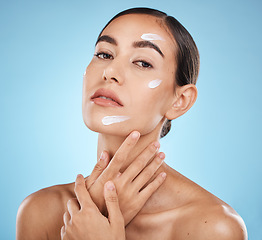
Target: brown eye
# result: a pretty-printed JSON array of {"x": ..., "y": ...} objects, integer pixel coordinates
[
  {"x": 103, "y": 55},
  {"x": 143, "y": 64}
]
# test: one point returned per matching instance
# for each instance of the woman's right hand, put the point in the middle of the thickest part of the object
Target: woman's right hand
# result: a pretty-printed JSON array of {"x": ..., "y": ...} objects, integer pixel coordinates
[{"x": 130, "y": 185}]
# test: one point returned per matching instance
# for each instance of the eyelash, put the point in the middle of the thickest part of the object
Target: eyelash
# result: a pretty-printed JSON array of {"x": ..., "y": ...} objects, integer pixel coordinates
[
  {"x": 98, "y": 55},
  {"x": 148, "y": 65},
  {"x": 103, "y": 55}
]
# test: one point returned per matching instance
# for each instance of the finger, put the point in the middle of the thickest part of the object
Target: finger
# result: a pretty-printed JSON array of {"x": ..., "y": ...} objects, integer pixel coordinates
[
  {"x": 98, "y": 169},
  {"x": 140, "y": 162},
  {"x": 82, "y": 193},
  {"x": 152, "y": 187},
  {"x": 66, "y": 218},
  {"x": 115, "y": 216},
  {"x": 149, "y": 171},
  {"x": 121, "y": 155},
  {"x": 72, "y": 206}
]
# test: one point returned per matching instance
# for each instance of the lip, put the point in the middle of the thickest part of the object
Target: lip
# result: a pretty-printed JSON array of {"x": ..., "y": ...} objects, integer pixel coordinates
[{"x": 102, "y": 92}]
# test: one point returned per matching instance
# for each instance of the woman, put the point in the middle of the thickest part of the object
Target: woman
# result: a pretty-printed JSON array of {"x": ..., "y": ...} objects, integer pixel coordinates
[{"x": 142, "y": 76}]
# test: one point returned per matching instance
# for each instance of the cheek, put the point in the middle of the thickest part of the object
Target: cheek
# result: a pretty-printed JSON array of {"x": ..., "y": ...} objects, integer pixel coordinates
[
  {"x": 84, "y": 73},
  {"x": 154, "y": 83},
  {"x": 94, "y": 70},
  {"x": 148, "y": 106},
  {"x": 151, "y": 95},
  {"x": 86, "y": 86},
  {"x": 92, "y": 76},
  {"x": 109, "y": 120}
]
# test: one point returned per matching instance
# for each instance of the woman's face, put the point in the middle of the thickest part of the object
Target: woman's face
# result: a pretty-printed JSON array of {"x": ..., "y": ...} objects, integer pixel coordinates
[{"x": 129, "y": 84}]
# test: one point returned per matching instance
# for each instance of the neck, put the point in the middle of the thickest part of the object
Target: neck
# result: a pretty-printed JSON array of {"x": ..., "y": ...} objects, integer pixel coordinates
[{"x": 111, "y": 144}]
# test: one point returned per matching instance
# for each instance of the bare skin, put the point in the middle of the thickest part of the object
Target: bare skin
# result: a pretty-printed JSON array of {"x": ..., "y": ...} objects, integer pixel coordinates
[
  {"x": 136, "y": 184},
  {"x": 185, "y": 211},
  {"x": 175, "y": 208},
  {"x": 83, "y": 220}
]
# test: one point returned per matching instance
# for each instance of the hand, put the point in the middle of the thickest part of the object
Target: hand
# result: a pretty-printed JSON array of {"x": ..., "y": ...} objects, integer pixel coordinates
[
  {"x": 83, "y": 220},
  {"x": 131, "y": 181}
]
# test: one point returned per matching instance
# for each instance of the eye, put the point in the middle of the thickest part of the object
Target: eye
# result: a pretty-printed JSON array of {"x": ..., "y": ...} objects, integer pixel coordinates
[
  {"x": 103, "y": 55},
  {"x": 143, "y": 64}
]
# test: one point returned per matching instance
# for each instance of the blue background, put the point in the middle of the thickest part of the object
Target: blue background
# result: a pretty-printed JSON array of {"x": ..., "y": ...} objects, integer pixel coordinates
[{"x": 44, "y": 49}]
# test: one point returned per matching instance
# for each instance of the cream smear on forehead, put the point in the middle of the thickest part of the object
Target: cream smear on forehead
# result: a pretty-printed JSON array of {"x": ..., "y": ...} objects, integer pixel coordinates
[
  {"x": 154, "y": 83},
  {"x": 114, "y": 119},
  {"x": 151, "y": 36}
]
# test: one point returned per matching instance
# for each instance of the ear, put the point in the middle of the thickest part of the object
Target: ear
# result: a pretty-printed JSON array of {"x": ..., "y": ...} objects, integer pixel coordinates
[{"x": 184, "y": 99}]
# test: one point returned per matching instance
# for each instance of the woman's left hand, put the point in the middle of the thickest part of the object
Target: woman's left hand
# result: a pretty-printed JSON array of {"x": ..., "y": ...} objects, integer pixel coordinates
[{"x": 83, "y": 220}]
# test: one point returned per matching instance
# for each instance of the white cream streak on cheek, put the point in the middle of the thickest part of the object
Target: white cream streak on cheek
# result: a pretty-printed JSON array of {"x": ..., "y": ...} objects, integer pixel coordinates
[
  {"x": 154, "y": 83},
  {"x": 151, "y": 36},
  {"x": 114, "y": 119}
]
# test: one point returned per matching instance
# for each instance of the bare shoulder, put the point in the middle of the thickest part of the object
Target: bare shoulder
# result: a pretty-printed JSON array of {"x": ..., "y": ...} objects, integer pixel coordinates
[
  {"x": 198, "y": 214},
  {"x": 40, "y": 215},
  {"x": 211, "y": 221}
]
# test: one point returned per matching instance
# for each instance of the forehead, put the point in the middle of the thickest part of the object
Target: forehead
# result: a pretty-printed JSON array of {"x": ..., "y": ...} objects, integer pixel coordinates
[{"x": 133, "y": 26}]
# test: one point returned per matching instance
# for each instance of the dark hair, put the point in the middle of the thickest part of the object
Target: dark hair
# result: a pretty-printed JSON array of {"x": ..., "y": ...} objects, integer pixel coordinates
[{"x": 187, "y": 56}]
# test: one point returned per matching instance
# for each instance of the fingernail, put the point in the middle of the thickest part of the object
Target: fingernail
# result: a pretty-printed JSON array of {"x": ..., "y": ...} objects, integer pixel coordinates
[
  {"x": 79, "y": 175},
  {"x": 119, "y": 174},
  {"x": 110, "y": 186},
  {"x": 157, "y": 145},
  {"x": 102, "y": 156},
  {"x": 163, "y": 175},
  {"x": 135, "y": 135},
  {"x": 162, "y": 155}
]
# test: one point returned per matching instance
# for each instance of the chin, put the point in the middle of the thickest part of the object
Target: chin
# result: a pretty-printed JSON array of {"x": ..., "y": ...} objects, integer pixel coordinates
[
  {"x": 116, "y": 129},
  {"x": 93, "y": 120}
]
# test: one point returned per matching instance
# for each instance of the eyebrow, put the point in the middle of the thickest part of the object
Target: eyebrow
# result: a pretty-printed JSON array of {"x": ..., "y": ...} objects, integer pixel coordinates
[
  {"x": 106, "y": 38},
  {"x": 138, "y": 44},
  {"x": 148, "y": 44}
]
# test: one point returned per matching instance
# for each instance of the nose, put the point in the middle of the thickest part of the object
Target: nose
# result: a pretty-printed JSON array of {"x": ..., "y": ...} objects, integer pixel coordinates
[{"x": 113, "y": 72}]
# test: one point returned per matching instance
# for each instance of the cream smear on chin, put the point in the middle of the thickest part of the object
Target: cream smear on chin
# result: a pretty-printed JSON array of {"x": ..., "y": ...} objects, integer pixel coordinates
[
  {"x": 151, "y": 36},
  {"x": 114, "y": 119},
  {"x": 154, "y": 83}
]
